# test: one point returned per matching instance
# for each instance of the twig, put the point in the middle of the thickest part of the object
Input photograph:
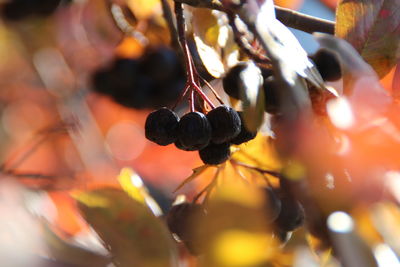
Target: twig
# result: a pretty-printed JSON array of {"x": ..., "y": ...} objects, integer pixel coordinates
[
  {"x": 269, "y": 172},
  {"x": 290, "y": 18},
  {"x": 303, "y": 22},
  {"x": 192, "y": 76},
  {"x": 246, "y": 47},
  {"x": 169, "y": 18}
]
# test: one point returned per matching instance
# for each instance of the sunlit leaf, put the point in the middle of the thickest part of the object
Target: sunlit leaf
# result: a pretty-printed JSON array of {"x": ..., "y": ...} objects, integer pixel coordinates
[
  {"x": 206, "y": 32},
  {"x": 235, "y": 231},
  {"x": 259, "y": 152},
  {"x": 196, "y": 172},
  {"x": 372, "y": 27},
  {"x": 282, "y": 46},
  {"x": 133, "y": 185},
  {"x": 133, "y": 234}
]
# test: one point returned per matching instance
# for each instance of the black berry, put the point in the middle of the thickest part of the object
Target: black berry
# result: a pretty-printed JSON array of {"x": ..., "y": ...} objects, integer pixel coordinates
[
  {"x": 327, "y": 65},
  {"x": 153, "y": 81},
  {"x": 21, "y": 9},
  {"x": 271, "y": 92},
  {"x": 161, "y": 64},
  {"x": 231, "y": 82},
  {"x": 179, "y": 145},
  {"x": 161, "y": 126},
  {"x": 181, "y": 220},
  {"x": 214, "y": 154},
  {"x": 291, "y": 216},
  {"x": 225, "y": 124},
  {"x": 194, "y": 131},
  {"x": 273, "y": 204},
  {"x": 245, "y": 135}
]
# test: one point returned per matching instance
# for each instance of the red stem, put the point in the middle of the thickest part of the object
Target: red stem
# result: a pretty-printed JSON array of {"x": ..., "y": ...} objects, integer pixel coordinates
[{"x": 192, "y": 78}]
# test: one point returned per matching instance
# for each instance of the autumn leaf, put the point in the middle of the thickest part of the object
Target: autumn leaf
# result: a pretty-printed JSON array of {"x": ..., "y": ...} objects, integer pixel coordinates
[
  {"x": 372, "y": 27},
  {"x": 66, "y": 252},
  {"x": 133, "y": 234},
  {"x": 206, "y": 31}
]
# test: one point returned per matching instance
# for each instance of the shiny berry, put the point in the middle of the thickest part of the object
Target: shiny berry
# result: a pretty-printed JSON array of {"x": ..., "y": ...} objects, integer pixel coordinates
[
  {"x": 245, "y": 135},
  {"x": 225, "y": 124},
  {"x": 214, "y": 154},
  {"x": 161, "y": 126},
  {"x": 327, "y": 65},
  {"x": 272, "y": 203},
  {"x": 194, "y": 131},
  {"x": 232, "y": 81},
  {"x": 291, "y": 216},
  {"x": 181, "y": 220},
  {"x": 271, "y": 92}
]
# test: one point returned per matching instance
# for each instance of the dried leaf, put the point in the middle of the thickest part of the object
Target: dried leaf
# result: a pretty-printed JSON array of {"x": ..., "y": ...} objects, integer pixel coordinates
[
  {"x": 372, "y": 27},
  {"x": 196, "y": 172},
  {"x": 206, "y": 34},
  {"x": 133, "y": 234}
]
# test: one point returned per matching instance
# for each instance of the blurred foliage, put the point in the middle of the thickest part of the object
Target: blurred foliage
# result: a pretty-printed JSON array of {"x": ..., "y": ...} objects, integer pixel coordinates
[{"x": 72, "y": 161}]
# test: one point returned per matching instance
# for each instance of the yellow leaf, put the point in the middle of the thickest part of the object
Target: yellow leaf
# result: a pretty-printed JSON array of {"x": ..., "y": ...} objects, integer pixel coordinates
[
  {"x": 133, "y": 185},
  {"x": 241, "y": 248}
]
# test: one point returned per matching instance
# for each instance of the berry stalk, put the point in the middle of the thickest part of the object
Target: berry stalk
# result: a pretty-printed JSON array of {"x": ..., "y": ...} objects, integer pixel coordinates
[{"x": 192, "y": 76}]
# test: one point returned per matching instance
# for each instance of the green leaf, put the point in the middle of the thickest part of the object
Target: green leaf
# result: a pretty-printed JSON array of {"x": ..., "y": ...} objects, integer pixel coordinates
[
  {"x": 134, "y": 236},
  {"x": 372, "y": 27}
]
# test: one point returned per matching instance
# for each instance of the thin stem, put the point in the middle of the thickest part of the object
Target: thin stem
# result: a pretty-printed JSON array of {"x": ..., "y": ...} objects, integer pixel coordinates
[
  {"x": 269, "y": 172},
  {"x": 192, "y": 75},
  {"x": 181, "y": 96},
  {"x": 290, "y": 18},
  {"x": 212, "y": 90},
  {"x": 246, "y": 47},
  {"x": 167, "y": 13},
  {"x": 124, "y": 25},
  {"x": 191, "y": 101}
]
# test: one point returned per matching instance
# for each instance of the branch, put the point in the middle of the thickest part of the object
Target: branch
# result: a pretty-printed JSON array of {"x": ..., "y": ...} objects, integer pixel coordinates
[
  {"x": 169, "y": 18},
  {"x": 290, "y": 18},
  {"x": 303, "y": 22}
]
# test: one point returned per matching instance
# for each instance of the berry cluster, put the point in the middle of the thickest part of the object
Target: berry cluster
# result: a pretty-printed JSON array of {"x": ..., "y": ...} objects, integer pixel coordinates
[
  {"x": 284, "y": 213},
  {"x": 152, "y": 81},
  {"x": 326, "y": 63},
  {"x": 21, "y": 9},
  {"x": 211, "y": 134}
]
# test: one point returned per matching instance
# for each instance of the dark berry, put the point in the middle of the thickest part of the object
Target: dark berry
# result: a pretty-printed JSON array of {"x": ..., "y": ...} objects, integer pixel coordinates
[
  {"x": 21, "y": 9},
  {"x": 161, "y": 126},
  {"x": 273, "y": 204},
  {"x": 232, "y": 81},
  {"x": 181, "y": 220},
  {"x": 292, "y": 214},
  {"x": 327, "y": 65},
  {"x": 194, "y": 131},
  {"x": 225, "y": 124},
  {"x": 168, "y": 93},
  {"x": 179, "y": 145},
  {"x": 266, "y": 73},
  {"x": 161, "y": 64},
  {"x": 102, "y": 82},
  {"x": 245, "y": 135},
  {"x": 271, "y": 93},
  {"x": 214, "y": 154}
]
